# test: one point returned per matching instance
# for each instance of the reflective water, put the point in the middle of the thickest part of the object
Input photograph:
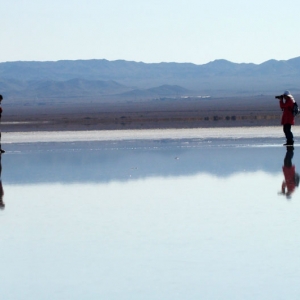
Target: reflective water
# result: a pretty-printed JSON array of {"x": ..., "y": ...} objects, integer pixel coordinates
[{"x": 185, "y": 219}]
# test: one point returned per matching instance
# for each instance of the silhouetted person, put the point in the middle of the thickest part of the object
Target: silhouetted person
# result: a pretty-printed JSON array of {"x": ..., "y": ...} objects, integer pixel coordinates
[
  {"x": 291, "y": 178},
  {"x": 2, "y": 204},
  {"x": 1, "y": 98}
]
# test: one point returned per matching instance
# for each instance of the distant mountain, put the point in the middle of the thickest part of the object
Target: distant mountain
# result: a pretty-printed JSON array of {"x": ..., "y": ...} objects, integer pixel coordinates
[
  {"x": 217, "y": 78},
  {"x": 73, "y": 88},
  {"x": 160, "y": 91}
]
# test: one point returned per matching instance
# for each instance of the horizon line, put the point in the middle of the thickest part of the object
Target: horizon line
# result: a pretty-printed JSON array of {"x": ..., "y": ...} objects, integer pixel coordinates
[{"x": 143, "y": 62}]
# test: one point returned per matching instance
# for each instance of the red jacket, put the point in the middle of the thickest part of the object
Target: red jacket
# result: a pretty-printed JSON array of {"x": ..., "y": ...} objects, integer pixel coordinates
[
  {"x": 287, "y": 115},
  {"x": 289, "y": 176}
]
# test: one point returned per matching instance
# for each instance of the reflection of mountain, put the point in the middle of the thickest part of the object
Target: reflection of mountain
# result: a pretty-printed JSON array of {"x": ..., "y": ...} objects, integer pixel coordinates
[{"x": 94, "y": 162}]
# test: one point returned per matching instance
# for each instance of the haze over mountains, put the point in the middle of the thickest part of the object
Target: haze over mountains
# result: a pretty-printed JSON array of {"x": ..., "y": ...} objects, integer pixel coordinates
[{"x": 121, "y": 79}]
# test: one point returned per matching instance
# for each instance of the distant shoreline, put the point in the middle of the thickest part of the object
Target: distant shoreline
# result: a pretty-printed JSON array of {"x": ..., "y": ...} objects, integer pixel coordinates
[
  {"x": 226, "y": 112},
  {"x": 79, "y": 124}
]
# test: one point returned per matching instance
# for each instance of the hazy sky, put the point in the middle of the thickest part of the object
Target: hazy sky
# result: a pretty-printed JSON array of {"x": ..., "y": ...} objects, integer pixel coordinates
[{"x": 196, "y": 31}]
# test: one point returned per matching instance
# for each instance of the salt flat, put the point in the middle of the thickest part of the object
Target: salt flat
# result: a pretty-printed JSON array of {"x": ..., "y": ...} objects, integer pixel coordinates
[{"x": 145, "y": 134}]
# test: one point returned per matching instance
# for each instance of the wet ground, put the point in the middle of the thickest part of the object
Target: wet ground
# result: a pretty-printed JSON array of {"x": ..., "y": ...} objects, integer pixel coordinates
[{"x": 164, "y": 218}]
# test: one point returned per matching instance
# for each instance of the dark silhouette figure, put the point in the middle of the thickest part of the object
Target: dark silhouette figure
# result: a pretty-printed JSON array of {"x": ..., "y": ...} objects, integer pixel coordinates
[
  {"x": 1, "y": 98},
  {"x": 291, "y": 178},
  {"x": 2, "y": 204}
]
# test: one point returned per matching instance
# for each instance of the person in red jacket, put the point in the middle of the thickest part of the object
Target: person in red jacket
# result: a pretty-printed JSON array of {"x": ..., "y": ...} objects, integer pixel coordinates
[{"x": 286, "y": 102}]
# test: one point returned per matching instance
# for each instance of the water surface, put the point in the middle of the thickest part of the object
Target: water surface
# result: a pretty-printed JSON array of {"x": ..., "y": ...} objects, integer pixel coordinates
[{"x": 164, "y": 219}]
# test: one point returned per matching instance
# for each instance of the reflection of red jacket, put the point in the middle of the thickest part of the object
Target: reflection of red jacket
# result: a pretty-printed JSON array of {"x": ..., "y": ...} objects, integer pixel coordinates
[
  {"x": 289, "y": 175},
  {"x": 287, "y": 115}
]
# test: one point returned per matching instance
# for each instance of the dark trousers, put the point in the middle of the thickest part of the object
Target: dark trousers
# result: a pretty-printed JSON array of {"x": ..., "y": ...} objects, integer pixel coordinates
[
  {"x": 288, "y": 158},
  {"x": 288, "y": 133}
]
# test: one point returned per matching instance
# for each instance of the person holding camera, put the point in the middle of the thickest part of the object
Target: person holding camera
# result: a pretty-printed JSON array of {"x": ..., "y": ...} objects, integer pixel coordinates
[{"x": 286, "y": 102}]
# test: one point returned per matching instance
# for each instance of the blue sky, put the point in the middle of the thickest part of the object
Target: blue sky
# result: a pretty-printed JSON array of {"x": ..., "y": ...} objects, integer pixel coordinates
[{"x": 150, "y": 31}]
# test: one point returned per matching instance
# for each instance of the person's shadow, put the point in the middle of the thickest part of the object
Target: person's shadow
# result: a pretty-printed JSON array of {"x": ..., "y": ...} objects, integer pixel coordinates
[{"x": 291, "y": 178}]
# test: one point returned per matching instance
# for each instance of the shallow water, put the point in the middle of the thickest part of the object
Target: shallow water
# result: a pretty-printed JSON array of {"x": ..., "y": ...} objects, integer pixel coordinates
[
  {"x": 144, "y": 219},
  {"x": 146, "y": 134}
]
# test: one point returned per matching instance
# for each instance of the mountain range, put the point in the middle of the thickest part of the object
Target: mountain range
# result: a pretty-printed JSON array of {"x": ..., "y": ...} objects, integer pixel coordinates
[{"x": 122, "y": 79}]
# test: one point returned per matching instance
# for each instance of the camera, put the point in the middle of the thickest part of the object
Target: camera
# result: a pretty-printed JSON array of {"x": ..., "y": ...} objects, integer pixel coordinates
[{"x": 279, "y": 97}]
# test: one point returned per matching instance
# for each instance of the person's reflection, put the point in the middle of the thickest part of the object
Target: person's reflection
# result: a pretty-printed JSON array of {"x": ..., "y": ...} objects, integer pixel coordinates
[
  {"x": 2, "y": 204},
  {"x": 291, "y": 178},
  {"x": 1, "y": 98}
]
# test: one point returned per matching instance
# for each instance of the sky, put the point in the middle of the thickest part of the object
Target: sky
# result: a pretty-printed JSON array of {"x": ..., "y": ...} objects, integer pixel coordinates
[{"x": 153, "y": 31}]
